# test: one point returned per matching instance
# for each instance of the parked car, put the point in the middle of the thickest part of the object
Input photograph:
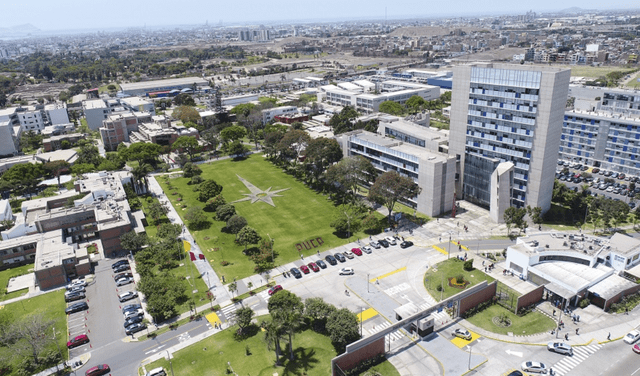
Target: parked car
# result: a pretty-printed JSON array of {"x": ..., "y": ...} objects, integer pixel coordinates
[
  {"x": 121, "y": 275},
  {"x": 296, "y": 273},
  {"x": 346, "y": 271},
  {"x": 76, "y": 283},
  {"x": 274, "y": 289},
  {"x": 134, "y": 328},
  {"x": 304, "y": 269},
  {"x": 75, "y": 289},
  {"x": 76, "y": 307},
  {"x": 124, "y": 281},
  {"x": 129, "y": 314},
  {"x": 595, "y": 170},
  {"x": 321, "y": 264},
  {"x": 313, "y": 266},
  {"x": 74, "y": 296},
  {"x": 367, "y": 249},
  {"x": 356, "y": 251},
  {"x": 101, "y": 369},
  {"x": 560, "y": 348},
  {"x": 77, "y": 341},
  {"x": 461, "y": 333},
  {"x": 133, "y": 320},
  {"x": 348, "y": 254},
  {"x": 384, "y": 243},
  {"x": 536, "y": 367},
  {"x": 130, "y": 307},
  {"x": 340, "y": 257},
  {"x": 636, "y": 348},
  {"x": 119, "y": 263},
  {"x": 375, "y": 244},
  {"x": 632, "y": 337},
  {"x": 127, "y": 296},
  {"x": 156, "y": 372},
  {"x": 122, "y": 268},
  {"x": 331, "y": 260},
  {"x": 406, "y": 244},
  {"x": 390, "y": 239}
]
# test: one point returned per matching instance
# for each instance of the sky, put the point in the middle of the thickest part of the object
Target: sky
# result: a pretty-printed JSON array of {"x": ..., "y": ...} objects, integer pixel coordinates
[{"x": 74, "y": 14}]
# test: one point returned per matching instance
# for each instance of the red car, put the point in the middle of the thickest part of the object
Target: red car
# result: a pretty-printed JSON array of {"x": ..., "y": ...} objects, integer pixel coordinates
[
  {"x": 102, "y": 369},
  {"x": 304, "y": 269},
  {"x": 636, "y": 348},
  {"x": 274, "y": 289},
  {"x": 357, "y": 251},
  {"x": 314, "y": 267},
  {"x": 77, "y": 341}
]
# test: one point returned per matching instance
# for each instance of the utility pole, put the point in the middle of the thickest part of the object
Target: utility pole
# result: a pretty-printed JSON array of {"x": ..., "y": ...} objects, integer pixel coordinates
[
  {"x": 170, "y": 362},
  {"x": 449, "y": 253}
]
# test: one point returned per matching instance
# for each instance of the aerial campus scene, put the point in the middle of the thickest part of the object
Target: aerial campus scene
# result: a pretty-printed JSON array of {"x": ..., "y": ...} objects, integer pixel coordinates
[{"x": 335, "y": 188}]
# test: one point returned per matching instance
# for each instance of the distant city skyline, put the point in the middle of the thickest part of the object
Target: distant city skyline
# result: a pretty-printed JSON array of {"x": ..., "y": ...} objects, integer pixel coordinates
[{"x": 73, "y": 14}]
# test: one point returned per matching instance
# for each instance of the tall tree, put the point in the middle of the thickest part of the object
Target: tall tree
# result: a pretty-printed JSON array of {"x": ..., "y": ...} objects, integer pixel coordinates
[
  {"x": 233, "y": 133},
  {"x": 236, "y": 223},
  {"x": 342, "y": 326},
  {"x": 208, "y": 189},
  {"x": 187, "y": 143},
  {"x": 272, "y": 336},
  {"x": 243, "y": 318},
  {"x": 287, "y": 310},
  {"x": 392, "y": 108},
  {"x": 390, "y": 187},
  {"x": 186, "y": 114},
  {"x": 32, "y": 335},
  {"x": 247, "y": 235},
  {"x": 133, "y": 241},
  {"x": 293, "y": 143},
  {"x": 320, "y": 154},
  {"x": 350, "y": 172}
]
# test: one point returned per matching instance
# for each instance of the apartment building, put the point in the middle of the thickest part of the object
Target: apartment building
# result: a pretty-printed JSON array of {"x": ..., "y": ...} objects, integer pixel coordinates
[
  {"x": 161, "y": 132},
  {"x": 31, "y": 120},
  {"x": 507, "y": 113},
  {"x": 117, "y": 127},
  {"x": 56, "y": 113},
  {"x": 432, "y": 170},
  {"x": 95, "y": 111},
  {"x": 8, "y": 141}
]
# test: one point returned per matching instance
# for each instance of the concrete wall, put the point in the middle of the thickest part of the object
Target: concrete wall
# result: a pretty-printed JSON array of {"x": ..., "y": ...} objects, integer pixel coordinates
[
  {"x": 480, "y": 297},
  {"x": 51, "y": 277},
  {"x": 501, "y": 182},
  {"x": 350, "y": 360},
  {"x": 111, "y": 239},
  {"x": 616, "y": 299}
]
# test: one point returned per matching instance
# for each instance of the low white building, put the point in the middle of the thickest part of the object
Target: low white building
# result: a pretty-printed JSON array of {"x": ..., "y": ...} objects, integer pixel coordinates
[
  {"x": 269, "y": 114},
  {"x": 56, "y": 113}
]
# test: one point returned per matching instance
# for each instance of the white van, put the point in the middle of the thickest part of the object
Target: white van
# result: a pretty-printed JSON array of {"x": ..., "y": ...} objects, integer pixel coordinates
[{"x": 157, "y": 372}]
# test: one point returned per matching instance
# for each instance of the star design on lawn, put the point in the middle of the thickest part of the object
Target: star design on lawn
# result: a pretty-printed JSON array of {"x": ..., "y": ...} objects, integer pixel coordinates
[{"x": 258, "y": 194}]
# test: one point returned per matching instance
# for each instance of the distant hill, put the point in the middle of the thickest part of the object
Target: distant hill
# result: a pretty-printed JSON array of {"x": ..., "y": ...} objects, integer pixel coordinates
[
  {"x": 19, "y": 30},
  {"x": 576, "y": 10}
]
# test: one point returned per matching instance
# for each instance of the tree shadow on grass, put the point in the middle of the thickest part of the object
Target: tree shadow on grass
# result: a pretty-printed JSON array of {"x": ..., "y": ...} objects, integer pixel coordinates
[{"x": 305, "y": 359}]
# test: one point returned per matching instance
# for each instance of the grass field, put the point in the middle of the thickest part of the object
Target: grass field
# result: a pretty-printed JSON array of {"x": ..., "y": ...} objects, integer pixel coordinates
[
  {"x": 531, "y": 323},
  {"x": 589, "y": 71},
  {"x": 52, "y": 306},
  {"x": 450, "y": 269},
  {"x": 634, "y": 82},
  {"x": 313, "y": 353},
  {"x": 6, "y": 275},
  {"x": 299, "y": 215}
]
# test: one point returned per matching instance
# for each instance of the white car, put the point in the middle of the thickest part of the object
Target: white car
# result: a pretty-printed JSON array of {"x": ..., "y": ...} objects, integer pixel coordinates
[
  {"x": 366, "y": 249},
  {"x": 375, "y": 244},
  {"x": 560, "y": 348},
  {"x": 75, "y": 289},
  {"x": 348, "y": 254},
  {"x": 536, "y": 367},
  {"x": 124, "y": 281},
  {"x": 391, "y": 240},
  {"x": 346, "y": 271},
  {"x": 127, "y": 296},
  {"x": 157, "y": 372},
  {"x": 137, "y": 312},
  {"x": 632, "y": 337},
  {"x": 76, "y": 283}
]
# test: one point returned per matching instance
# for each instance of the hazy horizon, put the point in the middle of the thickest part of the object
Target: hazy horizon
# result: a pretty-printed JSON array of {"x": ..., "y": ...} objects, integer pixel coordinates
[{"x": 75, "y": 15}]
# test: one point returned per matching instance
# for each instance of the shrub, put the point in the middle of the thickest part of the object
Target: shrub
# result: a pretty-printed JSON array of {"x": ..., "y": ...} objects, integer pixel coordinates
[
  {"x": 584, "y": 303},
  {"x": 439, "y": 288},
  {"x": 468, "y": 265},
  {"x": 459, "y": 279}
]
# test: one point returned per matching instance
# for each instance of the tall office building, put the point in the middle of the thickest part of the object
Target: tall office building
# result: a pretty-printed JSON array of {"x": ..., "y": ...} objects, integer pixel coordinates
[{"x": 507, "y": 113}]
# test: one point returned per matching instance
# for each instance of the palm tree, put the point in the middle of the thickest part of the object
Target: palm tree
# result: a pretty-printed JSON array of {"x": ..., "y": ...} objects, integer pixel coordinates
[
  {"x": 140, "y": 176},
  {"x": 272, "y": 335},
  {"x": 294, "y": 321}
]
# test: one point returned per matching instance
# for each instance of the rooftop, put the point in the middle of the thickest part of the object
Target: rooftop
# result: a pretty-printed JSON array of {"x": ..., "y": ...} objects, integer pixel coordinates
[
  {"x": 163, "y": 83},
  {"x": 94, "y": 104}
]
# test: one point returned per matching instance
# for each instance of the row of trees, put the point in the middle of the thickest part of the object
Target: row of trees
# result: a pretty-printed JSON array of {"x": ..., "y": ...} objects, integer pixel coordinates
[{"x": 414, "y": 105}]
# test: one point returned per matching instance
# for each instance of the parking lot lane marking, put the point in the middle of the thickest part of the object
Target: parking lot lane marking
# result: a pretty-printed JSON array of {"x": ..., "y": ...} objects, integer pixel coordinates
[
  {"x": 213, "y": 318},
  {"x": 367, "y": 314},
  {"x": 389, "y": 274},
  {"x": 460, "y": 342},
  {"x": 441, "y": 250}
]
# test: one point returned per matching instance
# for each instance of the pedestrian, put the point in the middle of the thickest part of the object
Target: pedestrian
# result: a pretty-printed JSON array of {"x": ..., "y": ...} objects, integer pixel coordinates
[
  {"x": 318, "y": 252},
  {"x": 577, "y": 330},
  {"x": 369, "y": 237},
  {"x": 440, "y": 240},
  {"x": 566, "y": 336},
  {"x": 465, "y": 255},
  {"x": 482, "y": 262},
  {"x": 301, "y": 257},
  {"x": 626, "y": 311},
  {"x": 609, "y": 337},
  {"x": 554, "y": 312}
]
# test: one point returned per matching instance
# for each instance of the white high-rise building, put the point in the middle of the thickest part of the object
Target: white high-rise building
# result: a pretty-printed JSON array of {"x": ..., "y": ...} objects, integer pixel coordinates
[{"x": 507, "y": 113}]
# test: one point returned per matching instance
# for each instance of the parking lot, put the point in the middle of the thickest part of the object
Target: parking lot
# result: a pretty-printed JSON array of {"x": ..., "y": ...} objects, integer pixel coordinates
[
  {"x": 103, "y": 321},
  {"x": 601, "y": 182}
]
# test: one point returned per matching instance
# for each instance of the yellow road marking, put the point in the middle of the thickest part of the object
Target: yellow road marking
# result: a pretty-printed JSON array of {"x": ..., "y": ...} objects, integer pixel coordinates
[
  {"x": 460, "y": 342},
  {"x": 461, "y": 246},
  {"x": 366, "y": 315},
  {"x": 388, "y": 274},
  {"x": 213, "y": 318},
  {"x": 441, "y": 250}
]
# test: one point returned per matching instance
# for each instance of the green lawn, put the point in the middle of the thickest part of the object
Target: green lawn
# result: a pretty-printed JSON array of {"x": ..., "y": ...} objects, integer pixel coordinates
[
  {"x": 52, "y": 306},
  {"x": 152, "y": 228},
  {"x": 299, "y": 215},
  {"x": 589, "y": 71},
  {"x": 6, "y": 275},
  {"x": 385, "y": 369},
  {"x": 450, "y": 269},
  {"x": 313, "y": 353},
  {"x": 531, "y": 323},
  {"x": 103, "y": 89},
  {"x": 634, "y": 84}
]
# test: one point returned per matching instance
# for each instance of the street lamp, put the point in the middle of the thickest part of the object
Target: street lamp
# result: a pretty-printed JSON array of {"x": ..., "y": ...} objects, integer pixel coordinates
[
  {"x": 170, "y": 362},
  {"x": 59, "y": 352},
  {"x": 367, "y": 282},
  {"x": 449, "y": 253},
  {"x": 361, "y": 321},
  {"x": 469, "y": 346}
]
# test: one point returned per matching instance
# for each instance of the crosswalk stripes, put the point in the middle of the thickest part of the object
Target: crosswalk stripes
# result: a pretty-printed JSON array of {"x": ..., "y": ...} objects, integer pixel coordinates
[
  {"x": 442, "y": 316},
  {"x": 570, "y": 362},
  {"x": 391, "y": 337},
  {"x": 229, "y": 312},
  {"x": 264, "y": 295}
]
